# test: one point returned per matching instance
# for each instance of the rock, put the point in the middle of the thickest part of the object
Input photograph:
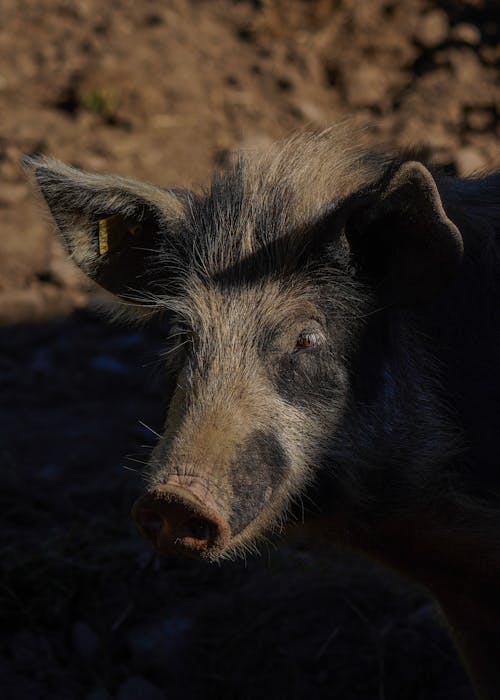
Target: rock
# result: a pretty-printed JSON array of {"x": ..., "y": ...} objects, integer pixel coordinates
[
  {"x": 107, "y": 363},
  {"x": 98, "y": 694},
  {"x": 366, "y": 86},
  {"x": 466, "y": 33},
  {"x": 27, "y": 651},
  {"x": 311, "y": 112},
  {"x": 14, "y": 685},
  {"x": 468, "y": 160},
  {"x": 254, "y": 141},
  {"x": 85, "y": 642},
  {"x": 432, "y": 29},
  {"x": 50, "y": 472},
  {"x": 478, "y": 119},
  {"x": 138, "y": 688},
  {"x": 24, "y": 246},
  {"x": 426, "y": 614},
  {"x": 127, "y": 340},
  {"x": 38, "y": 303},
  {"x": 13, "y": 194},
  {"x": 151, "y": 645},
  {"x": 66, "y": 274},
  {"x": 41, "y": 361},
  {"x": 468, "y": 71}
]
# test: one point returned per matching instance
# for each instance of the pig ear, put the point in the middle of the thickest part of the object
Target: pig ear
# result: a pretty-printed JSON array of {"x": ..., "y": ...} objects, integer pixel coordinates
[
  {"x": 113, "y": 228},
  {"x": 402, "y": 238}
]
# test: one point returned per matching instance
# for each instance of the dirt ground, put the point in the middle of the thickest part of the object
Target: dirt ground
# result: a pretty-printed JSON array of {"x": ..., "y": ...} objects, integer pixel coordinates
[{"x": 164, "y": 91}]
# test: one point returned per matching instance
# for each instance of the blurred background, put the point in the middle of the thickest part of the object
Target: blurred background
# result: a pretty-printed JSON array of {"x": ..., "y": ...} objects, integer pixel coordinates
[{"x": 165, "y": 91}]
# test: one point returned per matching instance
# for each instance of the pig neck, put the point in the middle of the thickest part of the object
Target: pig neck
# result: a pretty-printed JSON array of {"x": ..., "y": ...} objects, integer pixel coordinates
[
  {"x": 414, "y": 486},
  {"x": 468, "y": 341},
  {"x": 426, "y": 384},
  {"x": 463, "y": 327}
]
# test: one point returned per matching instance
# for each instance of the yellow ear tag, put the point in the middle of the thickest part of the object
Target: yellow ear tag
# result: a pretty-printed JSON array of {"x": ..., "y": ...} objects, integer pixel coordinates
[{"x": 112, "y": 231}]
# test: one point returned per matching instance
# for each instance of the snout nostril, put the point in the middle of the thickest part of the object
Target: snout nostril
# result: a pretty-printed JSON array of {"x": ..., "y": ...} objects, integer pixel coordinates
[
  {"x": 176, "y": 523},
  {"x": 200, "y": 529},
  {"x": 150, "y": 522}
]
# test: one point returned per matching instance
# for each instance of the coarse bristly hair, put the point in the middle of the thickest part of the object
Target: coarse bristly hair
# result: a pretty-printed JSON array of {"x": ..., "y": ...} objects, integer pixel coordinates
[
  {"x": 252, "y": 226},
  {"x": 334, "y": 334}
]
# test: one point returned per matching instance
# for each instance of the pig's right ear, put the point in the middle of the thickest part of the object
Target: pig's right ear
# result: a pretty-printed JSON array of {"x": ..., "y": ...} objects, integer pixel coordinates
[
  {"x": 400, "y": 238},
  {"x": 116, "y": 230}
]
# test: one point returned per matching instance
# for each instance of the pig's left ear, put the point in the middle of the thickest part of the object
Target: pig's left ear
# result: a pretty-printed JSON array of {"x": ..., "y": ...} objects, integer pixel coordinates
[
  {"x": 401, "y": 238},
  {"x": 120, "y": 232}
]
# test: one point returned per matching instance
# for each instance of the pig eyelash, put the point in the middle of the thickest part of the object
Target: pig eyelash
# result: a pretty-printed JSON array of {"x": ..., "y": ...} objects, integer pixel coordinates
[
  {"x": 176, "y": 346},
  {"x": 307, "y": 340}
]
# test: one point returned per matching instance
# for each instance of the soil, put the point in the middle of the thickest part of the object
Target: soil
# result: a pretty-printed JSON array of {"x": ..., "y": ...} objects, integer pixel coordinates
[{"x": 165, "y": 91}]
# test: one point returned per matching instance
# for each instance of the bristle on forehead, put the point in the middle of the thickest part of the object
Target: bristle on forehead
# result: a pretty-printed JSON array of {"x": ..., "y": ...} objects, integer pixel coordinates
[
  {"x": 267, "y": 197},
  {"x": 312, "y": 169},
  {"x": 252, "y": 223}
]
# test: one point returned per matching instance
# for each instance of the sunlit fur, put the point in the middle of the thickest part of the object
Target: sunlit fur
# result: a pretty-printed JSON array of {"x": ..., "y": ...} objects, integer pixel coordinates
[
  {"x": 225, "y": 393},
  {"x": 391, "y": 424}
]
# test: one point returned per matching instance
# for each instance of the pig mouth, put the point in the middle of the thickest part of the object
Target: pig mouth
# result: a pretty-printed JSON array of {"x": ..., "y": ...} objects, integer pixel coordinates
[{"x": 176, "y": 520}]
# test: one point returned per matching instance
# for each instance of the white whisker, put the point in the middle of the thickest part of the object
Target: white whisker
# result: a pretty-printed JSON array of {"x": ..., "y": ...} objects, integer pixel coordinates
[{"x": 149, "y": 428}]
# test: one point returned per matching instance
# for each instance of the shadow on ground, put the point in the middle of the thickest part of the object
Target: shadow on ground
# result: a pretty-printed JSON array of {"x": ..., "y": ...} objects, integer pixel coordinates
[{"x": 88, "y": 613}]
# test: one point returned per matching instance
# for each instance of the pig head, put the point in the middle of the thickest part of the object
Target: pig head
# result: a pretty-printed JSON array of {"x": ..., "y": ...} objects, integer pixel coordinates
[{"x": 267, "y": 281}]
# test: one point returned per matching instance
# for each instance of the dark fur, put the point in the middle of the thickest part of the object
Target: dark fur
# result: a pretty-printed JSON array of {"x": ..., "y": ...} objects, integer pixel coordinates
[{"x": 393, "y": 416}]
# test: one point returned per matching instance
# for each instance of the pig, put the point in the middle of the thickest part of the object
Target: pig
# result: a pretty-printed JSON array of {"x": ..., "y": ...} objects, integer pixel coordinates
[{"x": 334, "y": 326}]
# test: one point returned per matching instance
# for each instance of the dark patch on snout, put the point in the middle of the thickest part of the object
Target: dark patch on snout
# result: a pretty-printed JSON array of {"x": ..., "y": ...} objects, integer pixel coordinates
[{"x": 259, "y": 468}]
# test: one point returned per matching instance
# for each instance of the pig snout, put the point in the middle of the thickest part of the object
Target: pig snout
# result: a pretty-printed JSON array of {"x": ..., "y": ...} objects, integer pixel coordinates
[{"x": 177, "y": 523}]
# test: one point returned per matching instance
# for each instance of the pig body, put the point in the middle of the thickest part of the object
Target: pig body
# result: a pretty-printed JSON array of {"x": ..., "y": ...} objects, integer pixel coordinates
[{"x": 334, "y": 321}]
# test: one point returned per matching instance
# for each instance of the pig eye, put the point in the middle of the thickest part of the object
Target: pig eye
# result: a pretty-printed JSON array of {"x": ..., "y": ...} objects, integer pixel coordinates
[{"x": 307, "y": 340}]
